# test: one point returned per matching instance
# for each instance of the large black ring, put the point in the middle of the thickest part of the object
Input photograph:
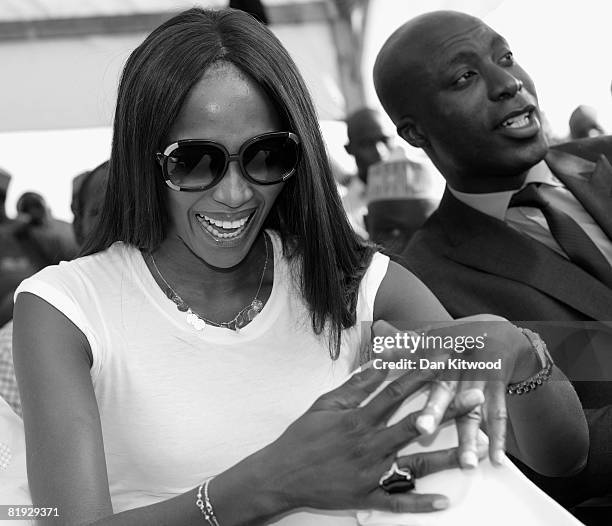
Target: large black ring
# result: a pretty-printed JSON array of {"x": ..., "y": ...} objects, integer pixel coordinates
[{"x": 397, "y": 480}]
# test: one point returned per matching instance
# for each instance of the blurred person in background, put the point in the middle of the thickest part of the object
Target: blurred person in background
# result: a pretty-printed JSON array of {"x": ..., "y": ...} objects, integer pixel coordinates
[
  {"x": 88, "y": 197},
  {"x": 89, "y": 189},
  {"x": 401, "y": 195},
  {"x": 368, "y": 143},
  {"x": 5, "y": 179},
  {"x": 583, "y": 123},
  {"x": 52, "y": 239},
  {"x": 18, "y": 260}
]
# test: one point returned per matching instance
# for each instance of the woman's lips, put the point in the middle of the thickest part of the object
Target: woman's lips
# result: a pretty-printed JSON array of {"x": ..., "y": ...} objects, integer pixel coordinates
[{"x": 224, "y": 229}]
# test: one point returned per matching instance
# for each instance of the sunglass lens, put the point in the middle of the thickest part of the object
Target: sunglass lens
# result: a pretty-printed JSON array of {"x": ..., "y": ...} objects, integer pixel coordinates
[
  {"x": 270, "y": 159},
  {"x": 195, "y": 165}
]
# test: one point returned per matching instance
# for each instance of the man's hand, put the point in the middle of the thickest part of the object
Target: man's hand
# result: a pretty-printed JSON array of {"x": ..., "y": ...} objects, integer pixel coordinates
[{"x": 505, "y": 346}]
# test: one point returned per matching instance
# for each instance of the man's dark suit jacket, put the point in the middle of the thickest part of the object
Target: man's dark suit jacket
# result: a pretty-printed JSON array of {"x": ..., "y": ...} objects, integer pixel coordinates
[{"x": 475, "y": 263}]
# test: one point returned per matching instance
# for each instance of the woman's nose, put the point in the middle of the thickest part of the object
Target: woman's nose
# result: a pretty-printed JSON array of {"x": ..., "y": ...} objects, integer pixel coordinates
[{"x": 233, "y": 190}]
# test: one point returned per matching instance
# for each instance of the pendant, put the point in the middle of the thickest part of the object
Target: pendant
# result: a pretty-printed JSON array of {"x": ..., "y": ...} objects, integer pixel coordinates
[
  {"x": 242, "y": 318},
  {"x": 195, "y": 321}
]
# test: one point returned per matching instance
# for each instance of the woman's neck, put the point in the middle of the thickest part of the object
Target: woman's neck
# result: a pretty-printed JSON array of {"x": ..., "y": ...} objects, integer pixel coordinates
[
  {"x": 214, "y": 294},
  {"x": 183, "y": 269}
]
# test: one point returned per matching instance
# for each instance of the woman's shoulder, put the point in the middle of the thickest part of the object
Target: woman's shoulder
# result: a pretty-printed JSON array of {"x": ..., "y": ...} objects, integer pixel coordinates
[
  {"x": 119, "y": 253},
  {"x": 93, "y": 267}
]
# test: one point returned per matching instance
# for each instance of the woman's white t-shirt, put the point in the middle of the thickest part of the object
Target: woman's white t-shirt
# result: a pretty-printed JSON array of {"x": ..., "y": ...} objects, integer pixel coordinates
[{"x": 179, "y": 405}]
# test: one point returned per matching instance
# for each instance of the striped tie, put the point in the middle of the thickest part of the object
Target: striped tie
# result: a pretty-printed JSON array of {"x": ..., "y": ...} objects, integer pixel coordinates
[{"x": 568, "y": 233}]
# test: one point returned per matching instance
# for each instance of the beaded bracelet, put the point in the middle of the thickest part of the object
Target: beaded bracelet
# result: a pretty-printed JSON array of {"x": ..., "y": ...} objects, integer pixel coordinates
[
  {"x": 205, "y": 505},
  {"x": 533, "y": 382}
]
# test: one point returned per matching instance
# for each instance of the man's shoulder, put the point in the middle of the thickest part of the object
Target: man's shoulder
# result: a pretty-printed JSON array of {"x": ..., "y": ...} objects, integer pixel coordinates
[
  {"x": 427, "y": 245},
  {"x": 590, "y": 148}
]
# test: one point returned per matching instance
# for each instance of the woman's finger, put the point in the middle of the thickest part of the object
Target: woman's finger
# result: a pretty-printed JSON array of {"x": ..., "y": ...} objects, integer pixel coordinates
[
  {"x": 440, "y": 396},
  {"x": 385, "y": 403},
  {"x": 468, "y": 428},
  {"x": 404, "y": 431},
  {"x": 464, "y": 401},
  {"x": 496, "y": 417},
  {"x": 405, "y": 502},
  {"x": 420, "y": 465},
  {"x": 352, "y": 392},
  {"x": 426, "y": 463}
]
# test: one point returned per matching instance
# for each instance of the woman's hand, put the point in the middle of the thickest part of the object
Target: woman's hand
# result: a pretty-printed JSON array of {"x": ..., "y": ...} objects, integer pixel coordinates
[
  {"x": 502, "y": 344},
  {"x": 333, "y": 456}
]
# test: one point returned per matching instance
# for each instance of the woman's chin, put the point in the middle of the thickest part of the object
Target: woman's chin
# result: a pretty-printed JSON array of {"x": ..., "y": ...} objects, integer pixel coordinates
[{"x": 225, "y": 253}]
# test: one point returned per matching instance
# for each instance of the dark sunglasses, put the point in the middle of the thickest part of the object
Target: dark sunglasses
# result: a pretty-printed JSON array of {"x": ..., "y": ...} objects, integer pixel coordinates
[{"x": 193, "y": 165}]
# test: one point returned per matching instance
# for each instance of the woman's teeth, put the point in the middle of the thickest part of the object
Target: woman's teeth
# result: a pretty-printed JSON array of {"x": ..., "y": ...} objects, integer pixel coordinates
[{"x": 223, "y": 229}]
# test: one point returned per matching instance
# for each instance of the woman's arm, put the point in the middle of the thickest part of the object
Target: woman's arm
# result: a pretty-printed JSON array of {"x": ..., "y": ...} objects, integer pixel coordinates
[
  {"x": 549, "y": 429},
  {"x": 330, "y": 458},
  {"x": 65, "y": 453}
]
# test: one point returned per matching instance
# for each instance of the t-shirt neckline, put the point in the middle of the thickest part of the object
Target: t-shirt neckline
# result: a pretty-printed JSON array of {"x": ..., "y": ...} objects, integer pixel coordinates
[{"x": 167, "y": 307}]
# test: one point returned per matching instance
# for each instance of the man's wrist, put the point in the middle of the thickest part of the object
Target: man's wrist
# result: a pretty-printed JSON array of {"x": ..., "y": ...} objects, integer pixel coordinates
[
  {"x": 527, "y": 364},
  {"x": 533, "y": 367}
]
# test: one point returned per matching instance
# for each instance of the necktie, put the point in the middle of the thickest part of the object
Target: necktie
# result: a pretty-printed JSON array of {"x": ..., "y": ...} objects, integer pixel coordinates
[{"x": 568, "y": 233}]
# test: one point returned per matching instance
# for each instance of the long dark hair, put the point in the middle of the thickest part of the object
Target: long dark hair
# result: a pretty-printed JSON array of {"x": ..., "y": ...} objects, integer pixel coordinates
[{"x": 308, "y": 213}]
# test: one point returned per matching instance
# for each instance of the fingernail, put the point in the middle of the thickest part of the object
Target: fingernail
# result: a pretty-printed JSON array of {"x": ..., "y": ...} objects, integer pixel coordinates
[
  {"x": 473, "y": 397},
  {"x": 468, "y": 460},
  {"x": 499, "y": 458},
  {"x": 440, "y": 504},
  {"x": 426, "y": 424}
]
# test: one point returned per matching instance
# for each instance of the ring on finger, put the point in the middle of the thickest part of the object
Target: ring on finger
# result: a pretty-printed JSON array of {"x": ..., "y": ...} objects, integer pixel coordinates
[{"x": 397, "y": 480}]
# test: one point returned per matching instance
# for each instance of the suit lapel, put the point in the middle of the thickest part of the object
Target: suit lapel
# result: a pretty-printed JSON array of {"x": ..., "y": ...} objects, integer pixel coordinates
[
  {"x": 488, "y": 244},
  {"x": 590, "y": 183}
]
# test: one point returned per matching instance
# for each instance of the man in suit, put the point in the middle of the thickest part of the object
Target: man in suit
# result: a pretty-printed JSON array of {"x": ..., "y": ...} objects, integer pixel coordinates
[{"x": 452, "y": 87}]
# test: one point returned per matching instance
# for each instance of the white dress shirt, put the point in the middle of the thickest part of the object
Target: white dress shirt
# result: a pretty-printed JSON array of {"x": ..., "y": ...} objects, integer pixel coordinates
[{"x": 530, "y": 220}]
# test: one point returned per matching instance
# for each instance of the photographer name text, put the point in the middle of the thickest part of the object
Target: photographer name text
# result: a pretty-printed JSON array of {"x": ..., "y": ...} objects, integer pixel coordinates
[{"x": 456, "y": 364}]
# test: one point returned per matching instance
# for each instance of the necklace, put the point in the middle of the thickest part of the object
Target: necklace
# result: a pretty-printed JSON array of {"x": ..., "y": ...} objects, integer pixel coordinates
[{"x": 199, "y": 322}]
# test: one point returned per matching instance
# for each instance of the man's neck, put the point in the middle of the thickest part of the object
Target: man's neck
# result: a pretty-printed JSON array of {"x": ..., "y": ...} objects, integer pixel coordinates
[
  {"x": 489, "y": 185},
  {"x": 495, "y": 203}
]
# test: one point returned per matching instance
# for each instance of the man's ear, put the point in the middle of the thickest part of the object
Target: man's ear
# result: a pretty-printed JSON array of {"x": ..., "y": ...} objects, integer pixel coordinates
[{"x": 410, "y": 132}]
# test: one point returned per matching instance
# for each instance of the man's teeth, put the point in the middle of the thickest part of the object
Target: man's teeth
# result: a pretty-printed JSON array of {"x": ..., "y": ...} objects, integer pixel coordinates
[
  {"x": 223, "y": 229},
  {"x": 517, "y": 122}
]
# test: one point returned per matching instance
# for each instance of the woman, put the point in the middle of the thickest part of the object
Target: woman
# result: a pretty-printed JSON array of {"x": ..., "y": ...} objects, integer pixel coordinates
[{"x": 223, "y": 292}]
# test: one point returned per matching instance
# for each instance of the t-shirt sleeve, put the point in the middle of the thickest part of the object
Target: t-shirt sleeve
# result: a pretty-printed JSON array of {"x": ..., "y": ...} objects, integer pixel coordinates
[
  {"x": 59, "y": 285},
  {"x": 370, "y": 284}
]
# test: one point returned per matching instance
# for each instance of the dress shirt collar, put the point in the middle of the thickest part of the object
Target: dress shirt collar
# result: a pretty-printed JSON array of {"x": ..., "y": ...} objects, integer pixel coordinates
[{"x": 495, "y": 204}]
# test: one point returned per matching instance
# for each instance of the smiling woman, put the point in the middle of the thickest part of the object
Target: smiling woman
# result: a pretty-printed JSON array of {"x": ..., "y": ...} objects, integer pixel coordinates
[
  {"x": 198, "y": 350},
  {"x": 229, "y": 205}
]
